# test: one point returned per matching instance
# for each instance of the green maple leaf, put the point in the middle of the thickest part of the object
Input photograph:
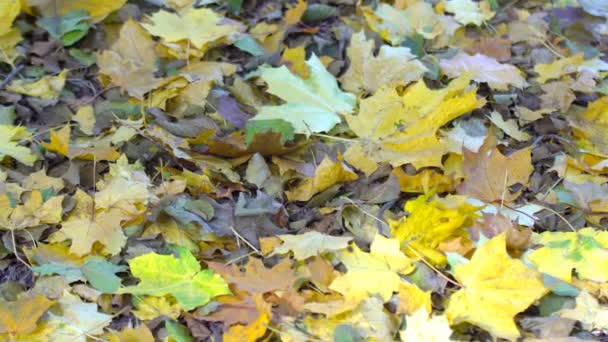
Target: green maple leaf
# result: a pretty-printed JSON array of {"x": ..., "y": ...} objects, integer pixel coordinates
[{"x": 180, "y": 277}]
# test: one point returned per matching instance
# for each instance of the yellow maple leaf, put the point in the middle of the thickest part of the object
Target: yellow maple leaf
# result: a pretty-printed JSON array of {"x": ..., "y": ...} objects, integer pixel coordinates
[
  {"x": 295, "y": 59},
  {"x": 327, "y": 174},
  {"x": 591, "y": 126},
  {"x": 401, "y": 129},
  {"x": 495, "y": 288},
  {"x": 200, "y": 26},
  {"x": 9, "y": 136},
  {"x": 392, "y": 66},
  {"x": 47, "y": 88},
  {"x": 254, "y": 330},
  {"x": 130, "y": 61},
  {"x": 413, "y": 299},
  {"x": 97, "y": 10},
  {"x": 60, "y": 141},
  {"x": 376, "y": 272},
  {"x": 9, "y": 10},
  {"x": 150, "y": 307},
  {"x": 469, "y": 12},
  {"x": 558, "y": 68},
  {"x": 34, "y": 211},
  {"x": 429, "y": 224}
]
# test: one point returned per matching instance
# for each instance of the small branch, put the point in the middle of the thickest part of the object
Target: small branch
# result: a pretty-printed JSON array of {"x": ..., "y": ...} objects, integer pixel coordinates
[{"x": 11, "y": 75}]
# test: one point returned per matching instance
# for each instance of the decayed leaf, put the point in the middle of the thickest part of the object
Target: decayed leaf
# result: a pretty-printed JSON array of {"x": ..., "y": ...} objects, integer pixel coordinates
[
  {"x": 495, "y": 288},
  {"x": 130, "y": 61},
  {"x": 180, "y": 277},
  {"x": 9, "y": 136},
  {"x": 484, "y": 69},
  {"x": 392, "y": 66},
  {"x": 312, "y": 105},
  {"x": 588, "y": 311},
  {"x": 403, "y": 129},
  {"x": 469, "y": 12},
  {"x": 430, "y": 223},
  {"x": 47, "y": 87},
  {"x": 199, "y": 26},
  {"x": 376, "y": 272},
  {"x": 309, "y": 244},
  {"x": 583, "y": 251},
  {"x": 489, "y": 174},
  {"x": 421, "y": 327},
  {"x": 327, "y": 174},
  {"x": 19, "y": 317}
]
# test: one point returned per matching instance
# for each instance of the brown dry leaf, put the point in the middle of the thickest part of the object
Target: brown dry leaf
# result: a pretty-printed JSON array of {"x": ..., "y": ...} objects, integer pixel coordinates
[
  {"x": 489, "y": 173},
  {"x": 255, "y": 277},
  {"x": 130, "y": 61}
]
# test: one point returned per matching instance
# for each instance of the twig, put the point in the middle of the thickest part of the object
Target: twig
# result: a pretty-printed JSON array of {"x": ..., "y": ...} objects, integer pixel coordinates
[{"x": 10, "y": 76}]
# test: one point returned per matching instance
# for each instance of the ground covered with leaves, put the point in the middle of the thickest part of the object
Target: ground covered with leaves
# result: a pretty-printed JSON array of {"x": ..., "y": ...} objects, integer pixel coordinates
[{"x": 229, "y": 170}]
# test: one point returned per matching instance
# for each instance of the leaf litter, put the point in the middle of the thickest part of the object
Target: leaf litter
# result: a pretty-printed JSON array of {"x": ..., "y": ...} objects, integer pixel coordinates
[{"x": 179, "y": 170}]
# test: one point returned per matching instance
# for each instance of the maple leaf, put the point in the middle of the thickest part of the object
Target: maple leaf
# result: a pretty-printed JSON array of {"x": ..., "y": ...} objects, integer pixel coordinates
[
  {"x": 60, "y": 141},
  {"x": 9, "y": 10},
  {"x": 150, "y": 307},
  {"x": 33, "y": 212},
  {"x": 130, "y": 61},
  {"x": 256, "y": 278},
  {"x": 78, "y": 319},
  {"x": 200, "y": 26},
  {"x": 395, "y": 25},
  {"x": 47, "y": 87},
  {"x": 376, "y": 272},
  {"x": 392, "y": 67},
  {"x": 483, "y": 69},
  {"x": 401, "y": 129},
  {"x": 495, "y": 288},
  {"x": 19, "y": 317},
  {"x": 312, "y": 105},
  {"x": 563, "y": 252},
  {"x": 9, "y": 147},
  {"x": 309, "y": 244},
  {"x": 421, "y": 327},
  {"x": 588, "y": 311},
  {"x": 489, "y": 173},
  {"x": 255, "y": 329},
  {"x": 469, "y": 12},
  {"x": 96, "y": 10},
  {"x": 558, "y": 68},
  {"x": 327, "y": 174},
  {"x": 429, "y": 224},
  {"x": 179, "y": 277},
  {"x": 590, "y": 125}
]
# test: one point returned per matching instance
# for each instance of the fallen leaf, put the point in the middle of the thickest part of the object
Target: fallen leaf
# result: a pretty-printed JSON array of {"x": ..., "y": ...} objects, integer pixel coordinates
[
  {"x": 495, "y": 288},
  {"x": 131, "y": 61},
  {"x": 47, "y": 87},
  {"x": 180, "y": 277},
  {"x": 309, "y": 244},
  {"x": 558, "y": 68},
  {"x": 564, "y": 252},
  {"x": 376, "y": 272},
  {"x": 403, "y": 129},
  {"x": 9, "y": 137},
  {"x": 421, "y": 326},
  {"x": 484, "y": 69},
  {"x": 469, "y": 12},
  {"x": 20, "y": 317},
  {"x": 256, "y": 278},
  {"x": 588, "y": 311},
  {"x": 327, "y": 174},
  {"x": 489, "y": 173},
  {"x": 393, "y": 66},
  {"x": 312, "y": 105}
]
